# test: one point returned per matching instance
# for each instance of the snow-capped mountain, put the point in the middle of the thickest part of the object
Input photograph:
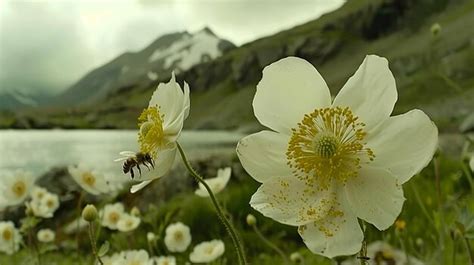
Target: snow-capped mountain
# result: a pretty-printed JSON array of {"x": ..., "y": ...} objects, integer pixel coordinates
[{"x": 171, "y": 52}]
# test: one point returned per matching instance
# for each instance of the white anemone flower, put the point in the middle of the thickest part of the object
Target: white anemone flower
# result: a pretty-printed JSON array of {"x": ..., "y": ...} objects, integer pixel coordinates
[
  {"x": 177, "y": 237},
  {"x": 10, "y": 238},
  {"x": 128, "y": 223},
  {"x": 46, "y": 235},
  {"x": 37, "y": 193},
  {"x": 135, "y": 257},
  {"x": 91, "y": 180},
  {"x": 323, "y": 164},
  {"x": 206, "y": 252},
  {"x": 160, "y": 127},
  {"x": 15, "y": 187},
  {"x": 46, "y": 206},
  {"x": 382, "y": 253},
  {"x": 112, "y": 214},
  {"x": 216, "y": 184},
  {"x": 165, "y": 260}
]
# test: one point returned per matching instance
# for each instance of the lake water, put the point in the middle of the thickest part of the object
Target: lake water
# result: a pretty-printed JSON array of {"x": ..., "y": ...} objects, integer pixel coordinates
[{"x": 39, "y": 150}]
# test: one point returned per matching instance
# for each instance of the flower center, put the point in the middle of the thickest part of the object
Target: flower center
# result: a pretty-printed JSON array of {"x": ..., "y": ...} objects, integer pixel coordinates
[
  {"x": 328, "y": 144},
  {"x": 7, "y": 234},
  {"x": 19, "y": 188},
  {"x": 88, "y": 179},
  {"x": 151, "y": 135},
  {"x": 178, "y": 236},
  {"x": 114, "y": 217}
]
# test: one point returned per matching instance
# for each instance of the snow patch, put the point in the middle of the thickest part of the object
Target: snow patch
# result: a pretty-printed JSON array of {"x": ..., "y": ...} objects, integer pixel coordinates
[{"x": 189, "y": 51}]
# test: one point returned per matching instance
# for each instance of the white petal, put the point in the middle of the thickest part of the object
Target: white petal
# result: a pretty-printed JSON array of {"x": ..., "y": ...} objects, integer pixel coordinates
[
  {"x": 375, "y": 196},
  {"x": 336, "y": 235},
  {"x": 290, "y": 88},
  {"x": 169, "y": 98},
  {"x": 186, "y": 101},
  {"x": 371, "y": 92},
  {"x": 404, "y": 144},
  {"x": 140, "y": 186},
  {"x": 291, "y": 201},
  {"x": 263, "y": 155},
  {"x": 163, "y": 164}
]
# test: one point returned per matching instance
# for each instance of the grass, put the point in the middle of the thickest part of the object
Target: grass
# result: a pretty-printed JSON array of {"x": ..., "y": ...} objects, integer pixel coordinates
[{"x": 430, "y": 219}]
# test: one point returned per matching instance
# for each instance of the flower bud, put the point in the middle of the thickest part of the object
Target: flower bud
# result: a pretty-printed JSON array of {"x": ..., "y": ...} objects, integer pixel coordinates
[
  {"x": 251, "y": 220},
  {"x": 400, "y": 225},
  {"x": 435, "y": 29},
  {"x": 89, "y": 213},
  {"x": 135, "y": 211},
  {"x": 296, "y": 257},
  {"x": 150, "y": 236}
]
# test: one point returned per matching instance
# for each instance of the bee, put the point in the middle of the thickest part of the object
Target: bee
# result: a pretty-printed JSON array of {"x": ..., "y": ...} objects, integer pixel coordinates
[{"x": 132, "y": 159}]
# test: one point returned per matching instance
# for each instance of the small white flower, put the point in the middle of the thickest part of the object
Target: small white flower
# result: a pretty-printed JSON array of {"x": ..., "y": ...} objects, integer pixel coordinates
[
  {"x": 206, "y": 252},
  {"x": 128, "y": 223},
  {"x": 216, "y": 184},
  {"x": 46, "y": 206},
  {"x": 382, "y": 253},
  {"x": 128, "y": 257},
  {"x": 177, "y": 237},
  {"x": 10, "y": 238},
  {"x": 325, "y": 163},
  {"x": 165, "y": 260},
  {"x": 38, "y": 193},
  {"x": 112, "y": 214},
  {"x": 160, "y": 127},
  {"x": 15, "y": 187},
  {"x": 46, "y": 235},
  {"x": 92, "y": 181}
]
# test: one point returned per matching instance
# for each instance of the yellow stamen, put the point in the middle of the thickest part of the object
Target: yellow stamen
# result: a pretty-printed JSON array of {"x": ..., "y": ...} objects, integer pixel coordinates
[
  {"x": 7, "y": 234},
  {"x": 88, "y": 179},
  {"x": 151, "y": 135},
  {"x": 19, "y": 188},
  {"x": 328, "y": 144}
]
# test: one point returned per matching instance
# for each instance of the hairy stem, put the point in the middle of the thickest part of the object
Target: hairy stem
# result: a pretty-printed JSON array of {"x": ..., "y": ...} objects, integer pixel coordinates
[
  {"x": 270, "y": 244},
  {"x": 230, "y": 229},
  {"x": 93, "y": 243}
]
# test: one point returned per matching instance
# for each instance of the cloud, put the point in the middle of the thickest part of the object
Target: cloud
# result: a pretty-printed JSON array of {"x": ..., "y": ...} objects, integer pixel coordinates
[{"x": 45, "y": 46}]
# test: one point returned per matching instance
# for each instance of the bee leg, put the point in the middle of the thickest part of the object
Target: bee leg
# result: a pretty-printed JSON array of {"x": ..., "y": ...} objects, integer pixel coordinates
[
  {"x": 132, "y": 174},
  {"x": 139, "y": 169}
]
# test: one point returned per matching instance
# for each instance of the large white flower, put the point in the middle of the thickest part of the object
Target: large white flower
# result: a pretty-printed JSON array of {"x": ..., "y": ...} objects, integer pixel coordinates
[
  {"x": 46, "y": 235},
  {"x": 128, "y": 223},
  {"x": 206, "y": 252},
  {"x": 325, "y": 163},
  {"x": 10, "y": 238},
  {"x": 165, "y": 260},
  {"x": 177, "y": 237},
  {"x": 135, "y": 257},
  {"x": 216, "y": 184},
  {"x": 92, "y": 181},
  {"x": 382, "y": 253},
  {"x": 15, "y": 187},
  {"x": 44, "y": 205},
  {"x": 160, "y": 126},
  {"x": 112, "y": 214}
]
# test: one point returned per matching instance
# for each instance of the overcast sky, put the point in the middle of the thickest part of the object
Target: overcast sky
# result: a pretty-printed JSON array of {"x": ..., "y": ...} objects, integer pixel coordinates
[{"x": 48, "y": 45}]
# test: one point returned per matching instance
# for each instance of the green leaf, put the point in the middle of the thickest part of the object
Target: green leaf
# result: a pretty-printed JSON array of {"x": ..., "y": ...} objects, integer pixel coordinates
[{"x": 104, "y": 249}]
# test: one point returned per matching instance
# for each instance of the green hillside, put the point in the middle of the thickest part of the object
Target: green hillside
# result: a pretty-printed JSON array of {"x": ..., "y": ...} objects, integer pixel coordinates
[{"x": 433, "y": 73}]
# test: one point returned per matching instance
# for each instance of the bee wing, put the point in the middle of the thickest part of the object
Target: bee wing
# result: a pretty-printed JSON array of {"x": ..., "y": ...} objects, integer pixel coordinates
[
  {"x": 127, "y": 153},
  {"x": 120, "y": 159}
]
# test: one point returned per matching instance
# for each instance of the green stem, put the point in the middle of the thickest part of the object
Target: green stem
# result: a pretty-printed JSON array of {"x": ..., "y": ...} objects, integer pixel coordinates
[
  {"x": 93, "y": 243},
  {"x": 270, "y": 244},
  {"x": 363, "y": 251},
  {"x": 233, "y": 234},
  {"x": 469, "y": 250}
]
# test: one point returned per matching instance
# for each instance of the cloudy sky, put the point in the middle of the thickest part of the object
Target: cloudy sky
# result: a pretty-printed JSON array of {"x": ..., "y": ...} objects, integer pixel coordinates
[{"x": 47, "y": 45}]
